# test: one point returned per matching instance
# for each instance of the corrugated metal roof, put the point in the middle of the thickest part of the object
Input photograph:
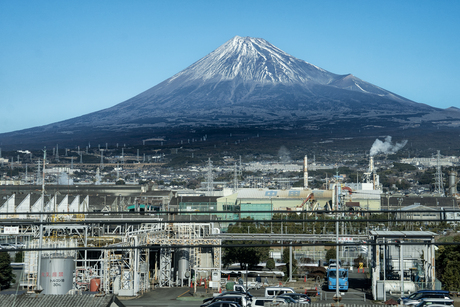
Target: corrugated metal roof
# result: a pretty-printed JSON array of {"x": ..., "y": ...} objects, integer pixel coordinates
[{"x": 40, "y": 300}]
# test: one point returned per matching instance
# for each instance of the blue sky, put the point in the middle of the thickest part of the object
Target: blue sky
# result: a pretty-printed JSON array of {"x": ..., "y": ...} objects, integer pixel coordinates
[{"x": 62, "y": 59}]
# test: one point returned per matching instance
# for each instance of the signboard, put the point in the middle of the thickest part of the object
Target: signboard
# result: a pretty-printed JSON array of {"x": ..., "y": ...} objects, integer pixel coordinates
[
  {"x": 215, "y": 275},
  {"x": 345, "y": 239},
  {"x": 11, "y": 230},
  {"x": 214, "y": 284}
]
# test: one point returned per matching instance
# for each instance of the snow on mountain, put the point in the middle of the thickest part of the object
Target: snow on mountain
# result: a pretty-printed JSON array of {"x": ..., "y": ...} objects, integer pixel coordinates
[
  {"x": 246, "y": 71},
  {"x": 253, "y": 60},
  {"x": 248, "y": 81}
]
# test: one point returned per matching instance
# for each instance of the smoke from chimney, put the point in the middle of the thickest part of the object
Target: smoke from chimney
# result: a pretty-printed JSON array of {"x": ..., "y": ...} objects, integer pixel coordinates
[
  {"x": 386, "y": 147},
  {"x": 284, "y": 154}
]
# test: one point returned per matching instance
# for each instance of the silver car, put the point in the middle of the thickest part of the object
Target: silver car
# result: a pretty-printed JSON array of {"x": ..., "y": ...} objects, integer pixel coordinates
[
  {"x": 416, "y": 298},
  {"x": 435, "y": 301}
]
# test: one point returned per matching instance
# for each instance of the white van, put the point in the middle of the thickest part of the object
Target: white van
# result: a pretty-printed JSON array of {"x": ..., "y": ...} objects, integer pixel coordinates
[{"x": 277, "y": 291}]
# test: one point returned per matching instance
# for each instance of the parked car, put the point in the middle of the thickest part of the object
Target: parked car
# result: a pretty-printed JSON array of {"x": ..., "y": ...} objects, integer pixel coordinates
[
  {"x": 401, "y": 300},
  {"x": 299, "y": 297},
  {"x": 287, "y": 299},
  {"x": 224, "y": 304},
  {"x": 240, "y": 299},
  {"x": 417, "y": 297},
  {"x": 272, "y": 291},
  {"x": 6, "y": 246},
  {"x": 18, "y": 245},
  {"x": 435, "y": 301},
  {"x": 229, "y": 293}
]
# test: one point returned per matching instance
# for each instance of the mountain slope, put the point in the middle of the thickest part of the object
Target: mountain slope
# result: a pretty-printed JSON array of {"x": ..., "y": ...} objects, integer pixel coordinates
[
  {"x": 249, "y": 75},
  {"x": 246, "y": 82}
]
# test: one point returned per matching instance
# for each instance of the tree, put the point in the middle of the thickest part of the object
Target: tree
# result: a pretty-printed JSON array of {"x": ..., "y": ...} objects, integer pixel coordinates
[
  {"x": 18, "y": 257},
  {"x": 448, "y": 265},
  {"x": 6, "y": 271},
  {"x": 270, "y": 265},
  {"x": 330, "y": 254},
  {"x": 451, "y": 275},
  {"x": 248, "y": 256}
]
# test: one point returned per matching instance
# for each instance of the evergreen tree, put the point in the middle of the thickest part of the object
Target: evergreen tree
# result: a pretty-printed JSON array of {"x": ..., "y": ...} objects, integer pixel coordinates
[
  {"x": 270, "y": 265},
  {"x": 6, "y": 271},
  {"x": 248, "y": 256},
  {"x": 18, "y": 257},
  {"x": 448, "y": 265},
  {"x": 330, "y": 254}
]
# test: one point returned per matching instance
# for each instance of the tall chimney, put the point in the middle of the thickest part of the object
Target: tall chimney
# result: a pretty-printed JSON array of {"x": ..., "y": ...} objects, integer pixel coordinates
[
  {"x": 305, "y": 172},
  {"x": 371, "y": 164}
]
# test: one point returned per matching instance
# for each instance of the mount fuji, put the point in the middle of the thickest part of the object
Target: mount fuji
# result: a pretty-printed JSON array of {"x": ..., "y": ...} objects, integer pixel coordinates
[{"x": 245, "y": 83}]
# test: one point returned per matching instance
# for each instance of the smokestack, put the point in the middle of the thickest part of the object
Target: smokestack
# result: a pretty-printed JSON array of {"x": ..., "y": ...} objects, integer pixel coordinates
[
  {"x": 452, "y": 183},
  {"x": 305, "y": 172},
  {"x": 371, "y": 164}
]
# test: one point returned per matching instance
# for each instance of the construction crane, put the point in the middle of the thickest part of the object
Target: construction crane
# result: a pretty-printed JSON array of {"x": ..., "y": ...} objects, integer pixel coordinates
[
  {"x": 350, "y": 192},
  {"x": 300, "y": 207}
]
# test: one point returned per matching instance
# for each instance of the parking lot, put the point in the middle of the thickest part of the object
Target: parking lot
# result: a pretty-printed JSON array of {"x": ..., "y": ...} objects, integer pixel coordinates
[{"x": 358, "y": 294}]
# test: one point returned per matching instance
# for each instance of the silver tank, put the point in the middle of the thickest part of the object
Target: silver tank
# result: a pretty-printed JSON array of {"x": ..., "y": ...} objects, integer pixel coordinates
[
  {"x": 56, "y": 274},
  {"x": 183, "y": 263}
]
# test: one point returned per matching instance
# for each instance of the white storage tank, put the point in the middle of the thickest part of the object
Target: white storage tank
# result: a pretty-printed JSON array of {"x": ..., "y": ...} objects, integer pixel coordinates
[
  {"x": 183, "y": 263},
  {"x": 57, "y": 266},
  {"x": 56, "y": 273}
]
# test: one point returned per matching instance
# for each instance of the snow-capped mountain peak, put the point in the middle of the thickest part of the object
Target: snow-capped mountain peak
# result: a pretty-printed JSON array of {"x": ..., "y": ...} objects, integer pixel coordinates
[
  {"x": 247, "y": 82},
  {"x": 253, "y": 60}
]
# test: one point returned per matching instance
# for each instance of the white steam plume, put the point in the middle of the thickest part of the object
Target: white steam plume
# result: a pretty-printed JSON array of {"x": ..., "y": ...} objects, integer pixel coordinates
[
  {"x": 284, "y": 154},
  {"x": 386, "y": 147}
]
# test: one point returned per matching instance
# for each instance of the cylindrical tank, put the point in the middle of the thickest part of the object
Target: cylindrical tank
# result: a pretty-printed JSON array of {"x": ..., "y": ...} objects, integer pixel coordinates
[
  {"x": 183, "y": 263},
  {"x": 56, "y": 274},
  {"x": 94, "y": 284},
  {"x": 452, "y": 183},
  {"x": 395, "y": 286}
]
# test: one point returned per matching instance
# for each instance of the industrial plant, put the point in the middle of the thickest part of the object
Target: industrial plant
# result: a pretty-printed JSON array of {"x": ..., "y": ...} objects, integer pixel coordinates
[{"x": 126, "y": 239}]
